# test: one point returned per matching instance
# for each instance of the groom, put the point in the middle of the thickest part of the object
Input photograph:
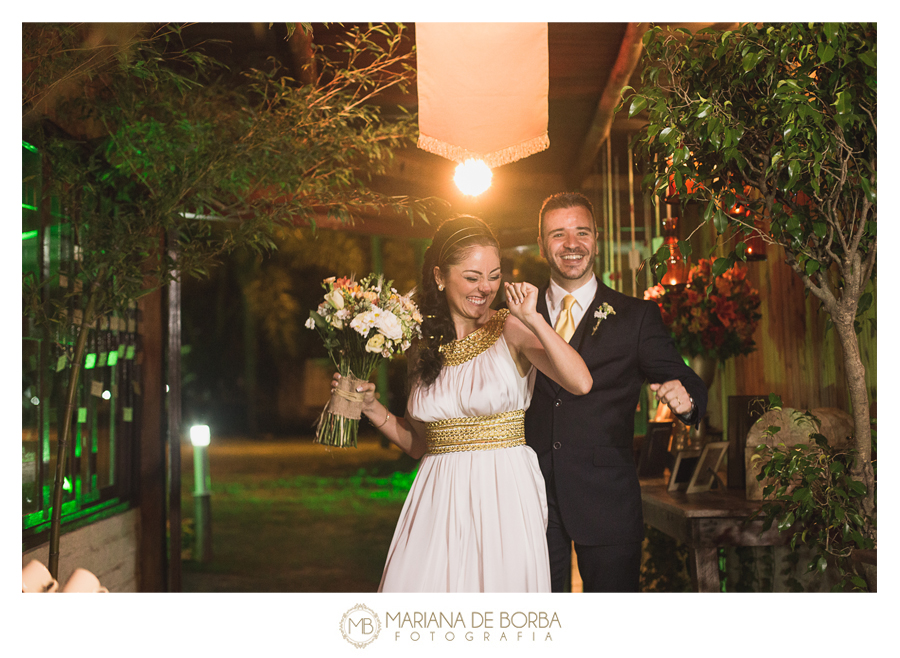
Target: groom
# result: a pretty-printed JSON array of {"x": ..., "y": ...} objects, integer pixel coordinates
[{"x": 584, "y": 443}]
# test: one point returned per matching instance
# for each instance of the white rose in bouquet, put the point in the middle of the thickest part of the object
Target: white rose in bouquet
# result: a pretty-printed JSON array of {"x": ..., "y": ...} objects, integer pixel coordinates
[
  {"x": 335, "y": 298},
  {"x": 375, "y": 343},
  {"x": 389, "y": 324}
]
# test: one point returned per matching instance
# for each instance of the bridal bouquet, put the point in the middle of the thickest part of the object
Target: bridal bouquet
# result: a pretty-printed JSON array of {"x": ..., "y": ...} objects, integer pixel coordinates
[{"x": 360, "y": 323}]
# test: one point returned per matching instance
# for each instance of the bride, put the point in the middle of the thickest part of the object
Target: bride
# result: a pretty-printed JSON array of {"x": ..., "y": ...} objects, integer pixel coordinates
[{"x": 475, "y": 518}]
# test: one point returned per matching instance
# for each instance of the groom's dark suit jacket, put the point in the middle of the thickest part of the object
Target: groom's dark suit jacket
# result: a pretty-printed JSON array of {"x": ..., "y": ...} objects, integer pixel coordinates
[{"x": 585, "y": 443}]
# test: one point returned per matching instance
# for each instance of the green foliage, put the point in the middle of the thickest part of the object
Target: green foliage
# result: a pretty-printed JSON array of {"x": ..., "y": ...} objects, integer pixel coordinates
[
  {"x": 160, "y": 167},
  {"x": 778, "y": 119},
  {"x": 176, "y": 152},
  {"x": 664, "y": 567},
  {"x": 813, "y": 497},
  {"x": 754, "y": 569},
  {"x": 772, "y": 130}
]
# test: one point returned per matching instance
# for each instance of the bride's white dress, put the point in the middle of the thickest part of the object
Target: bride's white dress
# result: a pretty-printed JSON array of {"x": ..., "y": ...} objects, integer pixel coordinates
[{"x": 475, "y": 519}]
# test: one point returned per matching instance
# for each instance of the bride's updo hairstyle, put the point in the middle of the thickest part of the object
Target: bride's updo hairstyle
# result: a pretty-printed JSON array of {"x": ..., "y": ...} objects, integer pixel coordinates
[{"x": 450, "y": 245}]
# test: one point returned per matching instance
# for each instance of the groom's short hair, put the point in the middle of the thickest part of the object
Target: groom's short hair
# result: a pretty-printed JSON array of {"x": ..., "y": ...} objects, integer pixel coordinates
[{"x": 563, "y": 200}]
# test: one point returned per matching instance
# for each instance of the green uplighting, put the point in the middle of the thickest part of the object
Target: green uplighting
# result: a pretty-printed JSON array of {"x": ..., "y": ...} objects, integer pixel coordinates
[
  {"x": 113, "y": 358},
  {"x": 29, "y": 147},
  {"x": 90, "y": 360},
  {"x": 67, "y": 486},
  {"x": 28, "y": 235},
  {"x": 73, "y": 515}
]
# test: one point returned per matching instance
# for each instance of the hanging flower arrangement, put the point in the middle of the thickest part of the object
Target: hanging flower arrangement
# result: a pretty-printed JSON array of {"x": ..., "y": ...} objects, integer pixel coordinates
[{"x": 713, "y": 317}]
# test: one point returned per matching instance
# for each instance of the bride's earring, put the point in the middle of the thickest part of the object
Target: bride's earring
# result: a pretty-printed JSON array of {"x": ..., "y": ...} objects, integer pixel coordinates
[{"x": 440, "y": 287}]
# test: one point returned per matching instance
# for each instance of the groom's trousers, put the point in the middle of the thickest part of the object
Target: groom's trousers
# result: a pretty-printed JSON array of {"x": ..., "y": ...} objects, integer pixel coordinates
[{"x": 613, "y": 568}]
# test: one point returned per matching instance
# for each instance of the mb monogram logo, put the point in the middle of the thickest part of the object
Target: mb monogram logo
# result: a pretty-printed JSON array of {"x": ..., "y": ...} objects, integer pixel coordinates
[{"x": 360, "y": 626}]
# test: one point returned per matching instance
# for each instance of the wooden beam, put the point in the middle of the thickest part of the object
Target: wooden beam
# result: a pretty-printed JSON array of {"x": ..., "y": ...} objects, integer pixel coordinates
[
  {"x": 629, "y": 55},
  {"x": 150, "y": 448}
]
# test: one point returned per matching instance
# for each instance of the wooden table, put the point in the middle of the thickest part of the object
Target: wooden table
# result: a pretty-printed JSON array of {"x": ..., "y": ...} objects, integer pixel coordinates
[{"x": 704, "y": 522}]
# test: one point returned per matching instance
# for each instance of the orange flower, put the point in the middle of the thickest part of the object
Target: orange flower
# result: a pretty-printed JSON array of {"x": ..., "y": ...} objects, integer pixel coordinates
[
  {"x": 704, "y": 268},
  {"x": 725, "y": 311},
  {"x": 723, "y": 286}
]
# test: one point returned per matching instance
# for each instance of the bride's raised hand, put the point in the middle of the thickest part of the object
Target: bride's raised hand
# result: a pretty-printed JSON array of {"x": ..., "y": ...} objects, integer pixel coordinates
[{"x": 521, "y": 299}]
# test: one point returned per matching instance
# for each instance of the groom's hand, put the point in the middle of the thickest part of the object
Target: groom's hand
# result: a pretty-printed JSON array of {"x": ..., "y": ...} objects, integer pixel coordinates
[{"x": 674, "y": 394}]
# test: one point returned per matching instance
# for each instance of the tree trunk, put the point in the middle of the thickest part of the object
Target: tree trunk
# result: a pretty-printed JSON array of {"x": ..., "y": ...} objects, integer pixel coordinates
[
  {"x": 859, "y": 399},
  {"x": 63, "y": 442},
  {"x": 247, "y": 270}
]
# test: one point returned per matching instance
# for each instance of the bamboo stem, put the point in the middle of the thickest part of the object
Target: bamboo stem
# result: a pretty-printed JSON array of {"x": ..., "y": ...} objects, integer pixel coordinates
[{"x": 62, "y": 444}]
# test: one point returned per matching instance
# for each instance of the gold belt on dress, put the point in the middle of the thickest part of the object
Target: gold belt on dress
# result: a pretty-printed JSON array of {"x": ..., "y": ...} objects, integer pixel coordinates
[{"x": 503, "y": 430}]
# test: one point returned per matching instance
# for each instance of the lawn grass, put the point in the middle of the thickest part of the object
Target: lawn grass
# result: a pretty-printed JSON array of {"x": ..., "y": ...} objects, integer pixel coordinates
[{"x": 292, "y": 516}]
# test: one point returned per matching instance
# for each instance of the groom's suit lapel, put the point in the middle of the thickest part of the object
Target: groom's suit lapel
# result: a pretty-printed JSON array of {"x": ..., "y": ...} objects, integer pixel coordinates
[
  {"x": 542, "y": 305},
  {"x": 586, "y": 327}
]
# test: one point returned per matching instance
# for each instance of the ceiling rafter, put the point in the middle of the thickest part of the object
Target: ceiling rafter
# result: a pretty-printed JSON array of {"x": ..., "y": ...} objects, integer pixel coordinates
[{"x": 598, "y": 132}]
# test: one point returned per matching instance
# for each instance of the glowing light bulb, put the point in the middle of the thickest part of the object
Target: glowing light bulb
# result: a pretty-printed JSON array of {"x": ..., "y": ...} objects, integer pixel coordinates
[
  {"x": 473, "y": 177},
  {"x": 106, "y": 395},
  {"x": 200, "y": 435}
]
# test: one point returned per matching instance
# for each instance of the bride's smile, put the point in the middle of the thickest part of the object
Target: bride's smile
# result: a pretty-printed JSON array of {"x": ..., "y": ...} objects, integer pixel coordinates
[{"x": 470, "y": 286}]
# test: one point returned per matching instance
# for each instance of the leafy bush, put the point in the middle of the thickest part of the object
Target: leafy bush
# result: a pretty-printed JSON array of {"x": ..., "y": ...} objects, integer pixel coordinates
[{"x": 815, "y": 498}]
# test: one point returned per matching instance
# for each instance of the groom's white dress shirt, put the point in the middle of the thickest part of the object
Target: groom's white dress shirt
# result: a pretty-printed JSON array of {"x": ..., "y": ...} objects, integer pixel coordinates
[{"x": 583, "y": 298}]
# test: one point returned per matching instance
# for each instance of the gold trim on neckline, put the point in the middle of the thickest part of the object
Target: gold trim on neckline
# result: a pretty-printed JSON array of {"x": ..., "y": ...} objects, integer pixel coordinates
[{"x": 465, "y": 349}]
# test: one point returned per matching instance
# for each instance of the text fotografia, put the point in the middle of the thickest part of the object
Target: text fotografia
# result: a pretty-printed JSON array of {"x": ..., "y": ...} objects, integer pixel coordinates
[{"x": 479, "y": 626}]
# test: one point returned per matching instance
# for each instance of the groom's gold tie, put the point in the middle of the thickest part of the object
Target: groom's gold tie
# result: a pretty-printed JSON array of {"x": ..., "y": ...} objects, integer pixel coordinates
[{"x": 565, "y": 323}]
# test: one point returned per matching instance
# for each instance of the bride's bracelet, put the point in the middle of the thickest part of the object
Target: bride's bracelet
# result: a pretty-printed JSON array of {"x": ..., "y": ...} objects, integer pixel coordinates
[{"x": 384, "y": 422}]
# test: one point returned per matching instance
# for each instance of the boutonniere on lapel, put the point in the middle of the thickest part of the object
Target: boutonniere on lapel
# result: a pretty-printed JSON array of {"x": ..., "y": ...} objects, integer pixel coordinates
[{"x": 602, "y": 312}]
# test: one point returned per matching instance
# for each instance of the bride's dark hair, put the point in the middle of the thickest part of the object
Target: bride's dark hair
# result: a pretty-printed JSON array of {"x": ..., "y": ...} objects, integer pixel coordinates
[{"x": 450, "y": 244}]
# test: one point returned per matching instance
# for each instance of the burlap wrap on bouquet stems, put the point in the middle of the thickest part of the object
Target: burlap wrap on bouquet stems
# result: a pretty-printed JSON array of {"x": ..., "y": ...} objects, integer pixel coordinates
[{"x": 339, "y": 422}]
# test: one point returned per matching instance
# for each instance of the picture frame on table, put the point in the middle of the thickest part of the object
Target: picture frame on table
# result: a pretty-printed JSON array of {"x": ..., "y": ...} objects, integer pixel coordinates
[
  {"x": 655, "y": 456},
  {"x": 683, "y": 469},
  {"x": 707, "y": 468}
]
